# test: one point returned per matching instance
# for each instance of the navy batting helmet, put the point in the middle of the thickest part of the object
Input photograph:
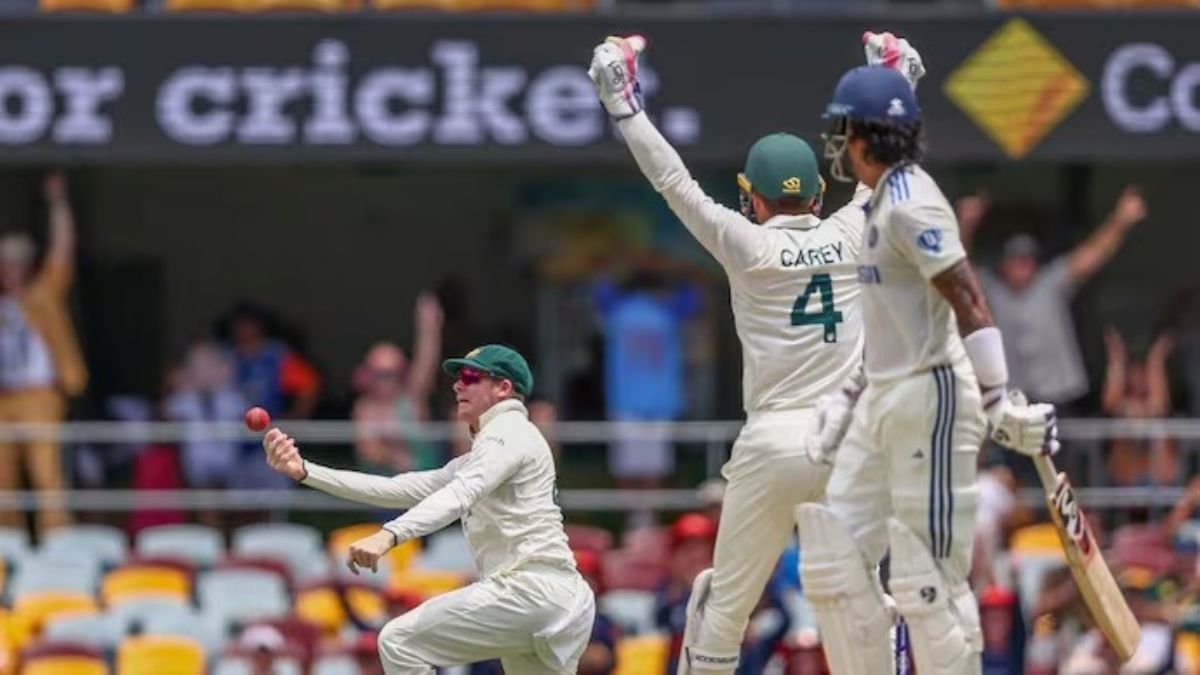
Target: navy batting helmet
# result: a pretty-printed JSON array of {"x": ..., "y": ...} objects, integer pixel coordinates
[{"x": 874, "y": 94}]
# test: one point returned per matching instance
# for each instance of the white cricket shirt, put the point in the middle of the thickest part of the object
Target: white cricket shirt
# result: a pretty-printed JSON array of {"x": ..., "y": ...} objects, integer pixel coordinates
[
  {"x": 503, "y": 490},
  {"x": 911, "y": 237},
  {"x": 792, "y": 280}
]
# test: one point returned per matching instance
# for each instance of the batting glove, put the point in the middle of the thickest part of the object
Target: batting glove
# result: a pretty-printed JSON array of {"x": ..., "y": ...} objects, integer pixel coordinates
[
  {"x": 614, "y": 71},
  {"x": 1024, "y": 427},
  {"x": 834, "y": 412},
  {"x": 885, "y": 49}
]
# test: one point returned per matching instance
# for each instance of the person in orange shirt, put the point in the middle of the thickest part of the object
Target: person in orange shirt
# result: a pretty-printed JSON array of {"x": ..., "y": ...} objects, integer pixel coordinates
[{"x": 41, "y": 364}]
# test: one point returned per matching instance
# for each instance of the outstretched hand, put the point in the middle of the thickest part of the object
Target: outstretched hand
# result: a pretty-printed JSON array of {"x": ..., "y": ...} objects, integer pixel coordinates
[{"x": 283, "y": 455}]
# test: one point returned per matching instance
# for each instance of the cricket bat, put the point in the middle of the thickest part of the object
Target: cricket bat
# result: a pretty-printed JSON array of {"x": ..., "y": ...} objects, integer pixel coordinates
[{"x": 1100, "y": 592}]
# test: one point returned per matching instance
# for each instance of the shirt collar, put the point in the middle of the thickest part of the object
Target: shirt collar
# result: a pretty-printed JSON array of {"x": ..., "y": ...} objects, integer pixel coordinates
[
  {"x": 806, "y": 221},
  {"x": 879, "y": 190},
  {"x": 495, "y": 411}
]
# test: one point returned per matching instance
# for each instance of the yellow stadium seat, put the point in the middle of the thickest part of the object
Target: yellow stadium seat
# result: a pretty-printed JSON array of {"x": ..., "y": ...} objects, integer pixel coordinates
[
  {"x": 445, "y": 5},
  {"x": 105, "y": 6},
  {"x": 303, "y": 5},
  {"x": 521, "y": 5},
  {"x": 1187, "y": 653},
  {"x": 426, "y": 583},
  {"x": 320, "y": 606},
  {"x": 31, "y": 611},
  {"x": 210, "y": 5},
  {"x": 145, "y": 582},
  {"x": 640, "y": 655},
  {"x": 340, "y": 539},
  {"x": 1038, "y": 540},
  {"x": 65, "y": 665},
  {"x": 160, "y": 655}
]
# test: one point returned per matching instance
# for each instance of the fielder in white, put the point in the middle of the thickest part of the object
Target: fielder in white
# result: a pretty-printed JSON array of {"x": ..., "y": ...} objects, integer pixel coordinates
[
  {"x": 531, "y": 608},
  {"x": 794, "y": 295},
  {"x": 904, "y": 476}
]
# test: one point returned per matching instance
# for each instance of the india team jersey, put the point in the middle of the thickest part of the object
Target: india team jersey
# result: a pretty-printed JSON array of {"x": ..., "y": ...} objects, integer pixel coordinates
[
  {"x": 911, "y": 237},
  {"x": 792, "y": 281}
]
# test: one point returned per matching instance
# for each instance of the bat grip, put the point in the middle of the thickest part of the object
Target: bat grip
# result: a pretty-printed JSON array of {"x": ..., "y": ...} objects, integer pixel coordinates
[{"x": 1046, "y": 472}]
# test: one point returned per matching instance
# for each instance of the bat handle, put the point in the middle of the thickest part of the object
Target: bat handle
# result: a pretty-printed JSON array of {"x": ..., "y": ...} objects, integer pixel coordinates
[{"x": 1046, "y": 472}]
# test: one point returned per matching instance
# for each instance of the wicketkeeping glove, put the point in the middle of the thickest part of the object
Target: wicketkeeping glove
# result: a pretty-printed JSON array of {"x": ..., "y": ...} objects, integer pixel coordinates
[
  {"x": 885, "y": 49},
  {"x": 834, "y": 412},
  {"x": 1024, "y": 427},
  {"x": 614, "y": 71}
]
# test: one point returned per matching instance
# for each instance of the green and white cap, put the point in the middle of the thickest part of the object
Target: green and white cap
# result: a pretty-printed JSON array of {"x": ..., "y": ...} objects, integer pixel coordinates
[
  {"x": 498, "y": 361},
  {"x": 781, "y": 165}
]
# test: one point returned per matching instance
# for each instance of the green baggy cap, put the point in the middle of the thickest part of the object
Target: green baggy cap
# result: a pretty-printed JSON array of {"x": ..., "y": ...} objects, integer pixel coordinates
[
  {"x": 782, "y": 165},
  {"x": 497, "y": 361}
]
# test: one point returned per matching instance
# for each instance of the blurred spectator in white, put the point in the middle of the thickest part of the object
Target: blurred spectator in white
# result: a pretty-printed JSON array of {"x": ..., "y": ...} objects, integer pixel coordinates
[
  {"x": 269, "y": 374},
  {"x": 711, "y": 495},
  {"x": 1032, "y": 302},
  {"x": 394, "y": 397},
  {"x": 262, "y": 645},
  {"x": 644, "y": 371},
  {"x": 1139, "y": 390},
  {"x": 693, "y": 537},
  {"x": 40, "y": 360},
  {"x": 999, "y": 512},
  {"x": 206, "y": 393}
]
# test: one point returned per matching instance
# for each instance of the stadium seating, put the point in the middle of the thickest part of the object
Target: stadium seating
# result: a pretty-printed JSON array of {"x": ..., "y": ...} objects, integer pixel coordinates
[
  {"x": 106, "y": 6},
  {"x": 324, "y": 605},
  {"x": 641, "y": 655},
  {"x": 242, "y": 594},
  {"x": 37, "y": 572},
  {"x": 160, "y": 655},
  {"x": 241, "y": 665},
  {"x": 101, "y": 631},
  {"x": 209, "y": 5},
  {"x": 107, "y": 544},
  {"x": 14, "y": 543},
  {"x": 53, "y": 658},
  {"x": 289, "y": 543},
  {"x": 32, "y": 611},
  {"x": 201, "y": 545},
  {"x": 141, "y": 580}
]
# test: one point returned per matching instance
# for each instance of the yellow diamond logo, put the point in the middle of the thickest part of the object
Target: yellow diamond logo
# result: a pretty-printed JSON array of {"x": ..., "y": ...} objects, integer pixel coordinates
[{"x": 1016, "y": 87}]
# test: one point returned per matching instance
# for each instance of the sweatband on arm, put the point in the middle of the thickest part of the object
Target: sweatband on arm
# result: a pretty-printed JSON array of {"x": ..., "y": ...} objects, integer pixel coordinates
[{"x": 985, "y": 348}]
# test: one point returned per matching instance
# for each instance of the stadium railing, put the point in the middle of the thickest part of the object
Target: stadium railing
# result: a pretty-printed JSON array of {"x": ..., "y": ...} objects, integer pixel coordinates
[{"x": 1084, "y": 439}]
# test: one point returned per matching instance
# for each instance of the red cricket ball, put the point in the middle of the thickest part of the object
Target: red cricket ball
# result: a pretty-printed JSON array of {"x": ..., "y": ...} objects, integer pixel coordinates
[{"x": 257, "y": 419}]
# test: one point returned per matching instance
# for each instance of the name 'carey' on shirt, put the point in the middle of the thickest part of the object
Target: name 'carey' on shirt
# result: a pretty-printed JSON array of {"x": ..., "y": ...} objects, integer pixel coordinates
[{"x": 810, "y": 257}]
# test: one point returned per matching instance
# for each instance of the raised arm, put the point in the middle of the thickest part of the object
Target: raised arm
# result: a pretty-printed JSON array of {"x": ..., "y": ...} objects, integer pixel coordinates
[
  {"x": 399, "y": 492},
  {"x": 1087, "y": 258},
  {"x": 1158, "y": 386},
  {"x": 725, "y": 233},
  {"x": 59, "y": 267},
  {"x": 970, "y": 211},
  {"x": 482, "y": 470},
  {"x": 732, "y": 239},
  {"x": 1113, "y": 393},
  {"x": 427, "y": 348}
]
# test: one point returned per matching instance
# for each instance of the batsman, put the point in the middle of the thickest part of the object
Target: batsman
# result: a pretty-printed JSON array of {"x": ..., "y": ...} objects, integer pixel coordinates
[{"x": 794, "y": 295}]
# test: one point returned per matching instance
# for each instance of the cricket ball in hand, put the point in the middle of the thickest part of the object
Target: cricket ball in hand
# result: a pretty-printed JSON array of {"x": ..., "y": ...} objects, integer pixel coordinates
[{"x": 257, "y": 419}]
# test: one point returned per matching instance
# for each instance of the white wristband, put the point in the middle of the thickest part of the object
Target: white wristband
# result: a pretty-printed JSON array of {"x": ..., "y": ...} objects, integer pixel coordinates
[{"x": 985, "y": 347}]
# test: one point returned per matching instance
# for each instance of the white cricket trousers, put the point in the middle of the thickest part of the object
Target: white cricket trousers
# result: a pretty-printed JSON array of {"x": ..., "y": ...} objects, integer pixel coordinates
[
  {"x": 768, "y": 474},
  {"x": 911, "y": 453},
  {"x": 537, "y": 620}
]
